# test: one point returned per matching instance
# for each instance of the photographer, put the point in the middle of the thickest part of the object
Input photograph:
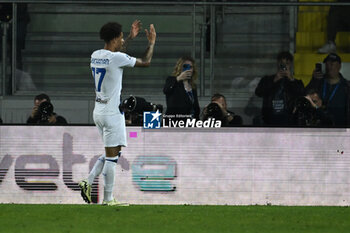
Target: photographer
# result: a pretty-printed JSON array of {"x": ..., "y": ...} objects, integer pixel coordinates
[
  {"x": 134, "y": 107},
  {"x": 279, "y": 92},
  {"x": 310, "y": 111},
  {"x": 42, "y": 112},
  {"x": 218, "y": 109}
]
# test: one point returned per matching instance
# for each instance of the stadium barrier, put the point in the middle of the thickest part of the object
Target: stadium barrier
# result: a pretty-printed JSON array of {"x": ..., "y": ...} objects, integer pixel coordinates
[{"x": 232, "y": 166}]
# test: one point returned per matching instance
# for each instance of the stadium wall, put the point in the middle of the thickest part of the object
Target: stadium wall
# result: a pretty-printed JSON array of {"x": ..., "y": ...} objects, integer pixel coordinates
[
  {"x": 78, "y": 110},
  {"x": 233, "y": 166}
]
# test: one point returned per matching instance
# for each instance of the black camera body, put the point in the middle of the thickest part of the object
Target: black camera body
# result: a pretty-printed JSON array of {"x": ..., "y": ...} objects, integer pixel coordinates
[
  {"x": 304, "y": 112},
  {"x": 139, "y": 105},
  {"x": 213, "y": 110},
  {"x": 135, "y": 106},
  {"x": 45, "y": 110}
]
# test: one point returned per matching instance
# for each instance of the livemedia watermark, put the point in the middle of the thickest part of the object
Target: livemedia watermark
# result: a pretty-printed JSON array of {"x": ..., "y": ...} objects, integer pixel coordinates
[{"x": 155, "y": 120}]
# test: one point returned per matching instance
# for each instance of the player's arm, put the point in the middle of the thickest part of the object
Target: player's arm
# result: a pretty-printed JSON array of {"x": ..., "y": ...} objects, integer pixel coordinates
[
  {"x": 145, "y": 61},
  {"x": 134, "y": 31}
]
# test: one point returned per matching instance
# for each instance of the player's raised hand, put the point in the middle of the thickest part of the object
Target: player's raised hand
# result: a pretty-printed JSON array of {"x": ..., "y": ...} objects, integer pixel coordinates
[
  {"x": 135, "y": 28},
  {"x": 151, "y": 34}
]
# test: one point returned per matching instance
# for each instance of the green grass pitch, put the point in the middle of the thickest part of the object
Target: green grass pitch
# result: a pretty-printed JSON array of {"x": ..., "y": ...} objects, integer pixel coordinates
[{"x": 172, "y": 219}]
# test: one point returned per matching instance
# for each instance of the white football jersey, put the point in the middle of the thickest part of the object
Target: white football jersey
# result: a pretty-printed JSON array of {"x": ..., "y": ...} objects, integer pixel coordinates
[{"x": 107, "y": 71}]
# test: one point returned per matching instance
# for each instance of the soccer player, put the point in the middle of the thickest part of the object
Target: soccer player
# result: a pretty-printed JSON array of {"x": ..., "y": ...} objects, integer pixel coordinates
[{"x": 107, "y": 66}]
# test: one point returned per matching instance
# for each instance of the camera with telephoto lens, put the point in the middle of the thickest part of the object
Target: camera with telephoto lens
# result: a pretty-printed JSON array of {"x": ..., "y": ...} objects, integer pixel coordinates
[
  {"x": 213, "y": 110},
  {"x": 135, "y": 106},
  {"x": 139, "y": 105},
  {"x": 304, "y": 112},
  {"x": 45, "y": 110}
]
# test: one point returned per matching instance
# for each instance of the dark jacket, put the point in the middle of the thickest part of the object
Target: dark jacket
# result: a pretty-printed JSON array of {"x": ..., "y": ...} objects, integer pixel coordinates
[
  {"x": 317, "y": 84},
  {"x": 177, "y": 99},
  {"x": 60, "y": 120},
  {"x": 267, "y": 90}
]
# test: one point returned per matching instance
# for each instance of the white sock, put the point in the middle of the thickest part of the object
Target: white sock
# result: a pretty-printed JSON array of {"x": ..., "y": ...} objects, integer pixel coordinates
[
  {"x": 97, "y": 169},
  {"x": 109, "y": 170}
]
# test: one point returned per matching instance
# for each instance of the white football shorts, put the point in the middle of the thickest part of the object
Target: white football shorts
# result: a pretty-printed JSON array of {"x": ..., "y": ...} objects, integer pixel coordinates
[{"x": 112, "y": 129}]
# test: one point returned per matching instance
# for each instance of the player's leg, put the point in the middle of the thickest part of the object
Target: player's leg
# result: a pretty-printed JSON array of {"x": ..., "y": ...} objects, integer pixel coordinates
[
  {"x": 86, "y": 185},
  {"x": 114, "y": 137},
  {"x": 98, "y": 166},
  {"x": 109, "y": 170},
  {"x": 97, "y": 169}
]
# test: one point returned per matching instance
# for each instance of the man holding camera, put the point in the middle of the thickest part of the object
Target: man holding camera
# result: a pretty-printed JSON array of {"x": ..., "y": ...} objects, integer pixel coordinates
[
  {"x": 279, "y": 92},
  {"x": 333, "y": 89},
  {"x": 218, "y": 109},
  {"x": 42, "y": 112},
  {"x": 310, "y": 111}
]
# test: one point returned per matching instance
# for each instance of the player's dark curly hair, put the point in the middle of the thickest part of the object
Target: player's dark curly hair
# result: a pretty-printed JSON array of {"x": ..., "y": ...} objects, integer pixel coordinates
[{"x": 110, "y": 30}]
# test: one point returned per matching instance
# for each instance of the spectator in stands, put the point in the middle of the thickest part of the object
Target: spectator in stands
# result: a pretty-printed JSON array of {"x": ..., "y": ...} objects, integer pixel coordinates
[
  {"x": 22, "y": 21},
  {"x": 338, "y": 19},
  {"x": 333, "y": 89},
  {"x": 180, "y": 89},
  {"x": 279, "y": 92},
  {"x": 42, "y": 112},
  {"x": 5, "y": 12},
  {"x": 218, "y": 109}
]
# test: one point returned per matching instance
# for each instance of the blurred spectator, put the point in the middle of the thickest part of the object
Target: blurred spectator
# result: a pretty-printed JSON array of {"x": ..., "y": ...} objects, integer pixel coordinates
[
  {"x": 333, "y": 89},
  {"x": 24, "y": 81},
  {"x": 5, "y": 12},
  {"x": 180, "y": 89},
  {"x": 0, "y": 121},
  {"x": 279, "y": 92},
  {"x": 309, "y": 111},
  {"x": 21, "y": 30},
  {"x": 218, "y": 109},
  {"x": 338, "y": 19},
  {"x": 43, "y": 113}
]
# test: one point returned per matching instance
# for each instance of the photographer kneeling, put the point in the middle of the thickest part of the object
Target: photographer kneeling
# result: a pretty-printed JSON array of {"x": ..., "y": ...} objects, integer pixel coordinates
[
  {"x": 42, "y": 112},
  {"x": 218, "y": 109}
]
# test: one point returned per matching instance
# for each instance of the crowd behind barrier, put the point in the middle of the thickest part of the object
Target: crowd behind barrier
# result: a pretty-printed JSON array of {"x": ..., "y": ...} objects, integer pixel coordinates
[{"x": 325, "y": 101}]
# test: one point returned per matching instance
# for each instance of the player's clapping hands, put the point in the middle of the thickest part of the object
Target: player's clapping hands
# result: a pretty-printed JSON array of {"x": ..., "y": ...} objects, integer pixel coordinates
[
  {"x": 135, "y": 29},
  {"x": 151, "y": 34}
]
